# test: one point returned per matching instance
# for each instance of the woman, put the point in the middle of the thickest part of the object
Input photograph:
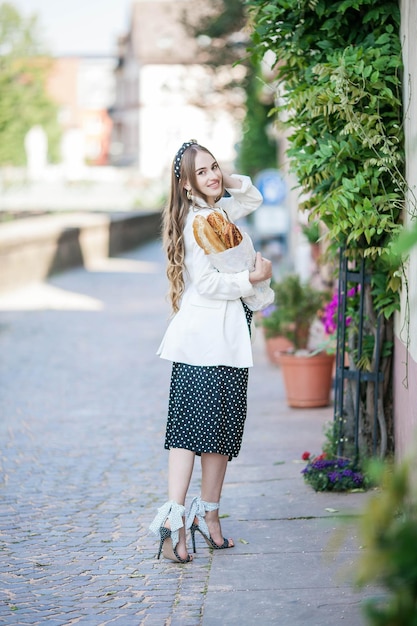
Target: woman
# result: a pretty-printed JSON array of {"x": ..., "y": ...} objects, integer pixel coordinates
[{"x": 208, "y": 341}]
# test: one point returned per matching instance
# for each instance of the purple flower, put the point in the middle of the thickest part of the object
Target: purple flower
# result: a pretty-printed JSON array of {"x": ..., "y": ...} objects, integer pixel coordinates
[
  {"x": 322, "y": 464},
  {"x": 268, "y": 310},
  {"x": 329, "y": 317},
  {"x": 333, "y": 477},
  {"x": 358, "y": 478},
  {"x": 337, "y": 474}
]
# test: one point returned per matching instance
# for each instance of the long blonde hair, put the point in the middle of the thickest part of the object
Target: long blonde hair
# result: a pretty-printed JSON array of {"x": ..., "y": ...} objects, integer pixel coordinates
[{"x": 174, "y": 218}]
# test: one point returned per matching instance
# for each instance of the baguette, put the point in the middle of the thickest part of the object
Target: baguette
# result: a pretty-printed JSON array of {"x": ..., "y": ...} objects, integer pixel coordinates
[
  {"x": 227, "y": 231},
  {"x": 215, "y": 233},
  {"x": 206, "y": 237},
  {"x": 218, "y": 223},
  {"x": 232, "y": 236}
]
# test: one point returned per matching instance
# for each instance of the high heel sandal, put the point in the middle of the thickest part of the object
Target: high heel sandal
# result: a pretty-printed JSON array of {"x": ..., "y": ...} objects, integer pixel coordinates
[
  {"x": 169, "y": 537},
  {"x": 198, "y": 510}
]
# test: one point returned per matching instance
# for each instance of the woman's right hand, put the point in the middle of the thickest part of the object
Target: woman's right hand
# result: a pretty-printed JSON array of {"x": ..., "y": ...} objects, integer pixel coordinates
[{"x": 262, "y": 271}]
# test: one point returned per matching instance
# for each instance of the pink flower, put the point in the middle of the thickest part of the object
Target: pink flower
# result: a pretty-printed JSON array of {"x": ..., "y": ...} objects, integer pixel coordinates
[{"x": 329, "y": 316}]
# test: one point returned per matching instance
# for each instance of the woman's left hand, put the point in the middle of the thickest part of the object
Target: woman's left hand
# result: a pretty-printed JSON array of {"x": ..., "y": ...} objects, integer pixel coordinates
[{"x": 262, "y": 271}]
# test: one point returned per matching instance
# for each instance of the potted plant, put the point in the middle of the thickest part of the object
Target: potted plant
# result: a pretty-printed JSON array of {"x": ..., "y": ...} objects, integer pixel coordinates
[
  {"x": 307, "y": 374},
  {"x": 275, "y": 342},
  {"x": 311, "y": 231}
]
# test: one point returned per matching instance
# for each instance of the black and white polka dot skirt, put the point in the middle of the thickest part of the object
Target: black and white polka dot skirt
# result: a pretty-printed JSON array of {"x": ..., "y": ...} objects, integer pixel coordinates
[{"x": 207, "y": 407}]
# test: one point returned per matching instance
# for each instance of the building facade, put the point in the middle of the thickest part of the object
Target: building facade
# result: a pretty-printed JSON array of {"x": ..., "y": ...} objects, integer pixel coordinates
[
  {"x": 83, "y": 87},
  {"x": 405, "y": 363},
  {"x": 167, "y": 93}
]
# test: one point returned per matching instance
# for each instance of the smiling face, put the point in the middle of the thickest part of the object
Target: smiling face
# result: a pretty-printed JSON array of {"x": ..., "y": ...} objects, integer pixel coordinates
[{"x": 207, "y": 177}]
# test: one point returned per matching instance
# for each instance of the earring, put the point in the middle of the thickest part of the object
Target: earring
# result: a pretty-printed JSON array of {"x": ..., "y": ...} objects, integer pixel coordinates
[{"x": 189, "y": 195}]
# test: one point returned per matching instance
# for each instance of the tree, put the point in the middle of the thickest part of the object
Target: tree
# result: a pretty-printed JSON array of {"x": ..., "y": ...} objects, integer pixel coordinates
[
  {"x": 24, "y": 66},
  {"x": 222, "y": 24},
  {"x": 257, "y": 150},
  {"x": 222, "y": 27}
]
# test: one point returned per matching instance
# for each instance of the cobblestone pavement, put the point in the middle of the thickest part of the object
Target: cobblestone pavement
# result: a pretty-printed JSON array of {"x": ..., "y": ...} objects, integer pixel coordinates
[
  {"x": 83, "y": 405},
  {"x": 83, "y": 409}
]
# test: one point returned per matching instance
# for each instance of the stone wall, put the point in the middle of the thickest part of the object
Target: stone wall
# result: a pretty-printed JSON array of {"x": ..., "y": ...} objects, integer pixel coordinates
[{"x": 34, "y": 248}]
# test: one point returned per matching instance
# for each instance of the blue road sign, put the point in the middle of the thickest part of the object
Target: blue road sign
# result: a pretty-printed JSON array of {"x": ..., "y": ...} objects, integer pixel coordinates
[{"x": 272, "y": 186}]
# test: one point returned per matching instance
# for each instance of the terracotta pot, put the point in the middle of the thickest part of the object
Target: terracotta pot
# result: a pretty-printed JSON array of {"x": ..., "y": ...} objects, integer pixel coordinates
[
  {"x": 315, "y": 252},
  {"x": 307, "y": 379},
  {"x": 275, "y": 345}
]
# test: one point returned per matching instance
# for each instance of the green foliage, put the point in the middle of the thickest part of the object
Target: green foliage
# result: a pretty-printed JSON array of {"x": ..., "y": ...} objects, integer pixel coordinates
[
  {"x": 388, "y": 529},
  {"x": 340, "y": 64},
  {"x": 311, "y": 231},
  {"x": 221, "y": 18},
  {"x": 339, "y": 68},
  {"x": 298, "y": 304},
  {"x": 270, "y": 320},
  {"x": 224, "y": 23},
  {"x": 23, "y": 99},
  {"x": 257, "y": 151},
  {"x": 331, "y": 439},
  {"x": 404, "y": 243}
]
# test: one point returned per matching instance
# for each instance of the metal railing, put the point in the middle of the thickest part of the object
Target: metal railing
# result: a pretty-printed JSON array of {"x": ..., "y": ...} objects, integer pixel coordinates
[{"x": 344, "y": 373}]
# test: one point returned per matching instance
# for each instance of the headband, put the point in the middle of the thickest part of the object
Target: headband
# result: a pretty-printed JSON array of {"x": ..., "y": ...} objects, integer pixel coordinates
[{"x": 179, "y": 155}]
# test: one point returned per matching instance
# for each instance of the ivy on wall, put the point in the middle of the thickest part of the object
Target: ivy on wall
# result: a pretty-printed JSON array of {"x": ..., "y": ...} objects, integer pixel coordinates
[{"x": 340, "y": 66}]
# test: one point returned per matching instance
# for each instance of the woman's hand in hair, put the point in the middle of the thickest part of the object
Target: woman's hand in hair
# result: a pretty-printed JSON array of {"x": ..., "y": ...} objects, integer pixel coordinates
[{"x": 230, "y": 182}]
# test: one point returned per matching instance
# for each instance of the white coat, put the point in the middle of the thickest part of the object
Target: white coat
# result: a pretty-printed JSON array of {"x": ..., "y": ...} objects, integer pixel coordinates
[{"x": 210, "y": 327}]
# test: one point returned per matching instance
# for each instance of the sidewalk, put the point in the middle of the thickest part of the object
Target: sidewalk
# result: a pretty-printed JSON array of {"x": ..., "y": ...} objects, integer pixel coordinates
[
  {"x": 83, "y": 404},
  {"x": 287, "y": 569}
]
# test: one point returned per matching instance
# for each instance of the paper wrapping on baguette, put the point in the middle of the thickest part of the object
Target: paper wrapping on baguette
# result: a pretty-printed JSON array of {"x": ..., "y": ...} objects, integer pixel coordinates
[
  {"x": 229, "y": 251},
  {"x": 237, "y": 259}
]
